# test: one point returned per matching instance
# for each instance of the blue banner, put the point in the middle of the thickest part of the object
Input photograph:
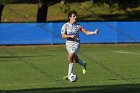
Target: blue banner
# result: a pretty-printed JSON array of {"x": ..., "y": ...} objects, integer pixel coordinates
[{"x": 50, "y": 33}]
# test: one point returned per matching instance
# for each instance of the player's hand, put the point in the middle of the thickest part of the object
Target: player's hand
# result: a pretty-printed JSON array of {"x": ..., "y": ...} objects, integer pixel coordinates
[
  {"x": 72, "y": 36},
  {"x": 96, "y": 31}
]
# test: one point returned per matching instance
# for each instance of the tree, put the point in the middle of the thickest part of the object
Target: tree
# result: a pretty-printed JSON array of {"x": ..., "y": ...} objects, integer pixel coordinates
[
  {"x": 43, "y": 9},
  {"x": 1, "y": 9},
  {"x": 92, "y": 1}
]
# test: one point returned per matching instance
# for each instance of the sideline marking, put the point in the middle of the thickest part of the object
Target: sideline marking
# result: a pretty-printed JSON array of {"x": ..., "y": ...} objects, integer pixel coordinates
[{"x": 125, "y": 52}]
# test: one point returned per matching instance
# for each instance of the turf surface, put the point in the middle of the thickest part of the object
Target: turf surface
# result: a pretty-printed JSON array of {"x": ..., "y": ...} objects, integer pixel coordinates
[{"x": 40, "y": 69}]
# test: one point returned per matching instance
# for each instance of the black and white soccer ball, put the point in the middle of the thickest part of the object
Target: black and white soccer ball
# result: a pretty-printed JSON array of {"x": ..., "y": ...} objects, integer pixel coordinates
[{"x": 72, "y": 77}]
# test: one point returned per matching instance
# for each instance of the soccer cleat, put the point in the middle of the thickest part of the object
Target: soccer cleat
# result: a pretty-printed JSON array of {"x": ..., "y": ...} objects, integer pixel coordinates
[
  {"x": 84, "y": 68},
  {"x": 65, "y": 77},
  {"x": 84, "y": 71}
]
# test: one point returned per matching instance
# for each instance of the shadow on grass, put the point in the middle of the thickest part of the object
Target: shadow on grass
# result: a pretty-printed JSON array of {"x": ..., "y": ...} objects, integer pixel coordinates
[
  {"x": 130, "y": 16},
  {"x": 118, "y": 17},
  {"x": 1, "y": 57},
  {"x": 124, "y": 88},
  {"x": 14, "y": 58}
]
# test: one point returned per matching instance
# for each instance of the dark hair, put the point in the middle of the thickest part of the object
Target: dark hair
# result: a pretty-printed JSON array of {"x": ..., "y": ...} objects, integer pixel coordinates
[{"x": 70, "y": 14}]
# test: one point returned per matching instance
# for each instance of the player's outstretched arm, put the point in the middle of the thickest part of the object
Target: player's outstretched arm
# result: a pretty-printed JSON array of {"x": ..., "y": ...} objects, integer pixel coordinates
[
  {"x": 94, "y": 32},
  {"x": 90, "y": 32}
]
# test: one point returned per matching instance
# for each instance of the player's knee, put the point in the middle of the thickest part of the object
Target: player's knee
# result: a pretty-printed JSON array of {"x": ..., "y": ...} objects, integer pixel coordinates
[
  {"x": 76, "y": 60},
  {"x": 69, "y": 60}
]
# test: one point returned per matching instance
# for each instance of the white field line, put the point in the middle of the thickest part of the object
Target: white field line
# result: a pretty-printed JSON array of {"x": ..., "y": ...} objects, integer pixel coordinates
[{"x": 125, "y": 52}]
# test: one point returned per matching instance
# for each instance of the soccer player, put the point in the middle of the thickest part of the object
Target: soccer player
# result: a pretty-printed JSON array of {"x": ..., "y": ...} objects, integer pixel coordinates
[{"x": 70, "y": 31}]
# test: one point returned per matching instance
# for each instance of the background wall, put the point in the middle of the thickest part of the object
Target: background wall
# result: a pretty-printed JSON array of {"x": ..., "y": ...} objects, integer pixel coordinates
[{"x": 49, "y": 33}]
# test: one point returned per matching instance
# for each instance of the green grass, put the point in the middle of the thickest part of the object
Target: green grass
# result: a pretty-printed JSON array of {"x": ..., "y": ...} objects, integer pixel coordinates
[
  {"x": 58, "y": 12},
  {"x": 40, "y": 69},
  {"x": 20, "y": 13}
]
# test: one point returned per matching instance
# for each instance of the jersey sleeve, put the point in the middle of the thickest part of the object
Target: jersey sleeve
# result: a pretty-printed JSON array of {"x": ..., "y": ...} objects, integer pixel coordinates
[
  {"x": 81, "y": 28},
  {"x": 64, "y": 29}
]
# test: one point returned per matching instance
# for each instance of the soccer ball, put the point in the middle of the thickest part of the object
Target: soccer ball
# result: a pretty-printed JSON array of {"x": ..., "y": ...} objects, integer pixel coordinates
[{"x": 72, "y": 77}]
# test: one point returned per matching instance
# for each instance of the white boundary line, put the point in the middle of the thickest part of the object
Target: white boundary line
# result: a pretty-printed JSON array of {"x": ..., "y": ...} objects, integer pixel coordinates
[{"x": 125, "y": 52}]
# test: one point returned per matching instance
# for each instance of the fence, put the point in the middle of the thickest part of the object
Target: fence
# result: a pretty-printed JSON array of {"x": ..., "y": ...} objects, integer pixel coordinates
[{"x": 49, "y": 33}]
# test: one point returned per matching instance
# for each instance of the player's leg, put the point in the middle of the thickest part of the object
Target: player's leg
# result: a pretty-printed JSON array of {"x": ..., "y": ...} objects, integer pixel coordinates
[
  {"x": 80, "y": 62},
  {"x": 72, "y": 48},
  {"x": 70, "y": 67},
  {"x": 70, "y": 60}
]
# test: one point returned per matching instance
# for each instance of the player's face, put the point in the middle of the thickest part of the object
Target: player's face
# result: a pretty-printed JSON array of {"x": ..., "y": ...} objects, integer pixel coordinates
[{"x": 73, "y": 18}]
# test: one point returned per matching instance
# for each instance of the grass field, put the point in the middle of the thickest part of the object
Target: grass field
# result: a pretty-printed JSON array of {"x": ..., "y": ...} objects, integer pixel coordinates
[{"x": 40, "y": 69}]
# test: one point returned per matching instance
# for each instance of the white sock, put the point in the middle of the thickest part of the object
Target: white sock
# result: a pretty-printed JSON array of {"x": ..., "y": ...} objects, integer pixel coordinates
[
  {"x": 70, "y": 70},
  {"x": 80, "y": 62}
]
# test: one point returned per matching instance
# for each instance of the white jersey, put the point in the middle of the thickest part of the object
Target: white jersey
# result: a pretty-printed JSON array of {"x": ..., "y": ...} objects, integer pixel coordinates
[
  {"x": 71, "y": 29},
  {"x": 72, "y": 44}
]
